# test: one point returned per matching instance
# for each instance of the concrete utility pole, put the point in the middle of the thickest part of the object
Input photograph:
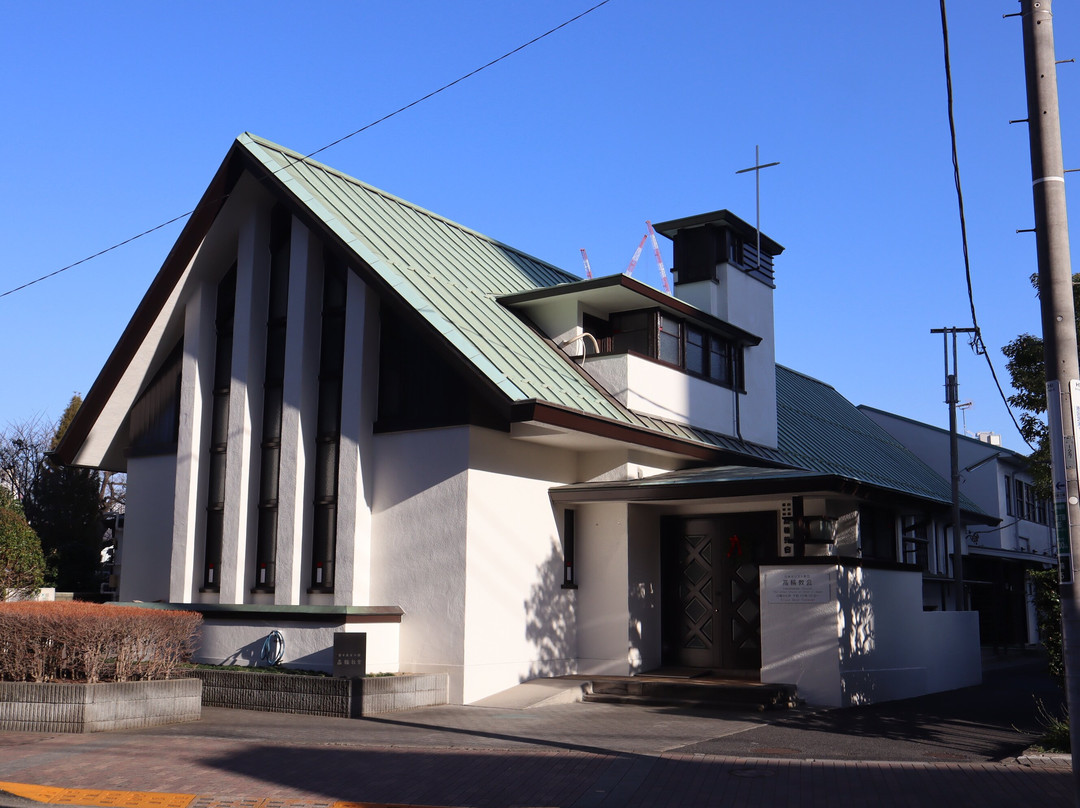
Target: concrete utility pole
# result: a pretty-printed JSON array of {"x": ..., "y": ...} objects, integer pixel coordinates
[
  {"x": 1059, "y": 331},
  {"x": 952, "y": 398}
]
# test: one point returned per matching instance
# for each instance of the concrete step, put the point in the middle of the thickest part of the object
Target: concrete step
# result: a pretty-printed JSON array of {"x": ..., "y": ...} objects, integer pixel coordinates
[{"x": 724, "y": 694}]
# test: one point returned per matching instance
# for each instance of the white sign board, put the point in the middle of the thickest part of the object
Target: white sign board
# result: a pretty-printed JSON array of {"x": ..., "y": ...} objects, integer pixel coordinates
[{"x": 797, "y": 587}]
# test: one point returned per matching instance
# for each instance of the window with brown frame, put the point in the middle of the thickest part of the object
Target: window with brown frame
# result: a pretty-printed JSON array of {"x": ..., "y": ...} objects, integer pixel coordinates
[{"x": 666, "y": 338}]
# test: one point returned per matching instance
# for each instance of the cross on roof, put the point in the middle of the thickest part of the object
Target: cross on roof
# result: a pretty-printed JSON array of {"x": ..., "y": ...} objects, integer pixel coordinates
[{"x": 756, "y": 168}]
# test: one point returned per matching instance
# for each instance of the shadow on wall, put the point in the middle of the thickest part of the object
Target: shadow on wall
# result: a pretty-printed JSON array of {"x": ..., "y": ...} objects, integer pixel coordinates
[
  {"x": 642, "y": 600},
  {"x": 551, "y": 622},
  {"x": 857, "y": 637},
  {"x": 245, "y": 655}
]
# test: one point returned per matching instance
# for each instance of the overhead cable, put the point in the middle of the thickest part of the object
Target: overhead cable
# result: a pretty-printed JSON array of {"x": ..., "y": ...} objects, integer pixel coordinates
[
  {"x": 364, "y": 128},
  {"x": 963, "y": 226}
]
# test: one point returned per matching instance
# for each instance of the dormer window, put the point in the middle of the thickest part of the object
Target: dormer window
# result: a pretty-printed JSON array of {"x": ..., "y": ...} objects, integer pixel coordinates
[{"x": 659, "y": 335}]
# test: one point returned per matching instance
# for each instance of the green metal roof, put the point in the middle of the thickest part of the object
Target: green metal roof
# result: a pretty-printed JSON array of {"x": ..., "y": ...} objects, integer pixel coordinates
[
  {"x": 452, "y": 276},
  {"x": 448, "y": 273},
  {"x": 820, "y": 430}
]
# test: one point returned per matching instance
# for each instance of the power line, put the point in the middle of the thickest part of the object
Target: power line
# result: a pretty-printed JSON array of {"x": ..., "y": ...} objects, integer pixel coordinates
[
  {"x": 97, "y": 254},
  {"x": 364, "y": 128},
  {"x": 963, "y": 225}
]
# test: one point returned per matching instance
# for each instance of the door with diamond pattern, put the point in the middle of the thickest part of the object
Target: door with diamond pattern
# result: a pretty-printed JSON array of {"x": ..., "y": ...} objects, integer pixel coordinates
[{"x": 711, "y": 577}]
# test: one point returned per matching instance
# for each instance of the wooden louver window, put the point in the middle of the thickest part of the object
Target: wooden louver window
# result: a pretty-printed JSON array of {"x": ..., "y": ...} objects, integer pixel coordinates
[
  {"x": 328, "y": 427},
  {"x": 219, "y": 432}
]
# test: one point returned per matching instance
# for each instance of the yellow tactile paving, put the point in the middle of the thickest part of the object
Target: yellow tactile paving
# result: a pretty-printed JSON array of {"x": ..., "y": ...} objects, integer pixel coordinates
[{"x": 97, "y": 798}]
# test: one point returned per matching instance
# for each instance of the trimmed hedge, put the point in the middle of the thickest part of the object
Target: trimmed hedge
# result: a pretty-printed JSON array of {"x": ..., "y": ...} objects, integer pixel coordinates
[{"x": 87, "y": 642}]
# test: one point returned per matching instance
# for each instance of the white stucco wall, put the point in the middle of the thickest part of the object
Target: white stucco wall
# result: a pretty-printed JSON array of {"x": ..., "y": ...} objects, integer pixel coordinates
[
  {"x": 865, "y": 638},
  {"x": 148, "y": 530},
  {"x": 800, "y": 642},
  {"x": 519, "y": 622},
  {"x": 418, "y": 560},
  {"x": 308, "y": 645},
  {"x": 602, "y": 575},
  {"x": 666, "y": 392}
]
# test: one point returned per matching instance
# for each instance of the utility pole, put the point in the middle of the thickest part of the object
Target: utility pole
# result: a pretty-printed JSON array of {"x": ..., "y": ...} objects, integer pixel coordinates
[
  {"x": 1059, "y": 331},
  {"x": 952, "y": 398}
]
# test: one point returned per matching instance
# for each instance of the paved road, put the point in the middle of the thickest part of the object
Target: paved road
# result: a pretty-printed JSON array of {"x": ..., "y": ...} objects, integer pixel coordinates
[{"x": 958, "y": 749}]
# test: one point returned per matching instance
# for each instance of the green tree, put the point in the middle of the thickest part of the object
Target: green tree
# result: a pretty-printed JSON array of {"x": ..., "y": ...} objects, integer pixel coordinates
[
  {"x": 22, "y": 566},
  {"x": 64, "y": 509},
  {"x": 1027, "y": 370}
]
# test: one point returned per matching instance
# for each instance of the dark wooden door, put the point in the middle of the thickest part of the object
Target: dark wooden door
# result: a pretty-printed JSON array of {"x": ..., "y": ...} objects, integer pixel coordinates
[{"x": 712, "y": 599}]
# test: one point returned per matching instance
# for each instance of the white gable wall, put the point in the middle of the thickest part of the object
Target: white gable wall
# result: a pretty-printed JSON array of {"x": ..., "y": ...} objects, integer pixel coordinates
[
  {"x": 355, "y": 468},
  {"x": 519, "y": 622},
  {"x": 418, "y": 556},
  {"x": 602, "y": 575},
  {"x": 296, "y": 485},
  {"x": 245, "y": 404}
]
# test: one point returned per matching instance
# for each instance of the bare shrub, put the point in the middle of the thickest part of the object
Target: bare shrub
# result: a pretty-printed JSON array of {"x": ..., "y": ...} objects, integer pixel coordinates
[{"x": 87, "y": 642}]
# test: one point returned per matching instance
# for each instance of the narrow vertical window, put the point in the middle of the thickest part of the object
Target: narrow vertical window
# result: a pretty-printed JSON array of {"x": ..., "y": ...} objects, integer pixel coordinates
[
  {"x": 720, "y": 361},
  {"x": 569, "y": 570},
  {"x": 219, "y": 432},
  {"x": 1008, "y": 497},
  {"x": 695, "y": 350},
  {"x": 273, "y": 398},
  {"x": 669, "y": 340},
  {"x": 328, "y": 427}
]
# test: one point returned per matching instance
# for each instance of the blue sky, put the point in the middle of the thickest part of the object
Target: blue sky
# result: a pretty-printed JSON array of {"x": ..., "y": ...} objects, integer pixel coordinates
[{"x": 119, "y": 114}]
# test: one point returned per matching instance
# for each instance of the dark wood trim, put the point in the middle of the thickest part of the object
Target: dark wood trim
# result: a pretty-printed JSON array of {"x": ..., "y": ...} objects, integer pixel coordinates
[
  {"x": 567, "y": 418},
  {"x": 845, "y": 561},
  {"x": 654, "y": 295},
  {"x": 804, "y": 483},
  {"x": 644, "y": 492}
]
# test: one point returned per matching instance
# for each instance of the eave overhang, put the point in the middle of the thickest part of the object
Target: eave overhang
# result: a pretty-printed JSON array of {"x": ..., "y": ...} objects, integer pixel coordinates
[
  {"x": 738, "y": 481},
  {"x": 615, "y": 293},
  {"x": 721, "y": 218}
]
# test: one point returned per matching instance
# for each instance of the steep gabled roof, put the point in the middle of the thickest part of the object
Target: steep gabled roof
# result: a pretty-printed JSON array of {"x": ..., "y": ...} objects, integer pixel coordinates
[
  {"x": 820, "y": 430},
  {"x": 435, "y": 269}
]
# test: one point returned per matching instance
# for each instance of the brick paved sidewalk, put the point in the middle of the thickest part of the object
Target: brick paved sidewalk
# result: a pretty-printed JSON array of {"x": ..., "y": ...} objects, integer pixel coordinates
[
  {"x": 228, "y": 773},
  {"x": 954, "y": 750}
]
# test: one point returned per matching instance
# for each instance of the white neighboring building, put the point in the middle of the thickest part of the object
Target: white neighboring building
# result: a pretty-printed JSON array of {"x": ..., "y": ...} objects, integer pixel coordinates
[
  {"x": 340, "y": 412},
  {"x": 997, "y": 557}
]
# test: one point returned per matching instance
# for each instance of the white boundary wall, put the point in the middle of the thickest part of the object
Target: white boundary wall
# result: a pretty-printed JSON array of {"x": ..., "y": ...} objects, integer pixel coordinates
[{"x": 851, "y": 635}]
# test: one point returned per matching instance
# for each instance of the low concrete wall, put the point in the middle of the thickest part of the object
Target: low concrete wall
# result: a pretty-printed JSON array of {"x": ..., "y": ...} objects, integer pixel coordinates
[
  {"x": 69, "y": 707},
  {"x": 847, "y": 633},
  {"x": 322, "y": 695}
]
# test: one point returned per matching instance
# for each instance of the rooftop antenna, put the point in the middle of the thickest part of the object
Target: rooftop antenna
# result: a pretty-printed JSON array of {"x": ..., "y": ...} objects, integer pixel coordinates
[
  {"x": 756, "y": 168},
  {"x": 964, "y": 407}
]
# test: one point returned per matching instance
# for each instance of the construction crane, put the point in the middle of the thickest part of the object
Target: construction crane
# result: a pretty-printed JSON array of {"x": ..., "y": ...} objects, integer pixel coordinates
[
  {"x": 659, "y": 260},
  {"x": 649, "y": 232},
  {"x": 585, "y": 258}
]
